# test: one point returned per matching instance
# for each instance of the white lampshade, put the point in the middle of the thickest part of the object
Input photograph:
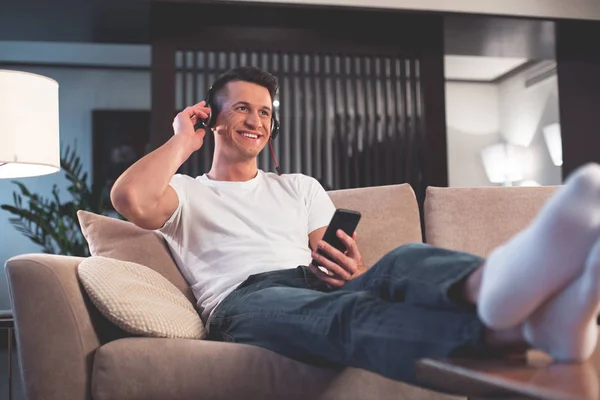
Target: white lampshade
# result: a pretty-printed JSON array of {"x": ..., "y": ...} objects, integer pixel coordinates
[
  {"x": 554, "y": 143},
  {"x": 29, "y": 137}
]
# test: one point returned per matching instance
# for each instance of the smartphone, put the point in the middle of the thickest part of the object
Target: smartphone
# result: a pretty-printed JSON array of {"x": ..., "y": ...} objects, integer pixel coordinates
[{"x": 346, "y": 220}]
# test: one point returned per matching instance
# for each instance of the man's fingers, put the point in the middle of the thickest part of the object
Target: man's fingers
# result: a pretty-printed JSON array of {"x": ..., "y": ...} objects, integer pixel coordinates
[
  {"x": 333, "y": 252},
  {"x": 344, "y": 260},
  {"x": 200, "y": 104},
  {"x": 202, "y": 115},
  {"x": 331, "y": 266},
  {"x": 204, "y": 111},
  {"x": 189, "y": 111},
  {"x": 196, "y": 110},
  {"x": 326, "y": 278},
  {"x": 348, "y": 241}
]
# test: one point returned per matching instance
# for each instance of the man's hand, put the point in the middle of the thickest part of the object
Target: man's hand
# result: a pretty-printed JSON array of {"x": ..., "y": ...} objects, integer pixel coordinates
[
  {"x": 184, "y": 122},
  {"x": 346, "y": 265}
]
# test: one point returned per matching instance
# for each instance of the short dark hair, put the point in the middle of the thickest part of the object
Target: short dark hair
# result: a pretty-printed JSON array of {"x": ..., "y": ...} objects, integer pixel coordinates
[{"x": 246, "y": 74}]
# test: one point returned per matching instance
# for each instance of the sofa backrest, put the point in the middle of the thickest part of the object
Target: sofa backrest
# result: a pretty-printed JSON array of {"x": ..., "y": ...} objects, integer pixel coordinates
[
  {"x": 479, "y": 219},
  {"x": 390, "y": 217}
]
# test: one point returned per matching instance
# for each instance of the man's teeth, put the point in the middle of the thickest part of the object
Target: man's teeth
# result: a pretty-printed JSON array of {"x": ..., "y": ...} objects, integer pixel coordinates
[{"x": 249, "y": 135}]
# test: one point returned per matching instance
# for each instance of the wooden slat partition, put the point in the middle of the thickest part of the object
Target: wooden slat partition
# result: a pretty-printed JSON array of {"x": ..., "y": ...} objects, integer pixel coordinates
[{"x": 359, "y": 117}]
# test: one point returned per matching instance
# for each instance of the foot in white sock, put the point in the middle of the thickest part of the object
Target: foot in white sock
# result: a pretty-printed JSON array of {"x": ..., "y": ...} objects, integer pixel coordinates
[
  {"x": 543, "y": 258},
  {"x": 566, "y": 325}
]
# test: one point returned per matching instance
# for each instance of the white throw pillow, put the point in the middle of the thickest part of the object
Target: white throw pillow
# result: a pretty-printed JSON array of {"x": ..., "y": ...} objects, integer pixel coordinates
[{"x": 139, "y": 300}]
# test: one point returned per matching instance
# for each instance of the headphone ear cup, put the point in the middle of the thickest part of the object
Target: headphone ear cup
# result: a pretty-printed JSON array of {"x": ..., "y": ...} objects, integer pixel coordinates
[
  {"x": 274, "y": 128},
  {"x": 211, "y": 120}
]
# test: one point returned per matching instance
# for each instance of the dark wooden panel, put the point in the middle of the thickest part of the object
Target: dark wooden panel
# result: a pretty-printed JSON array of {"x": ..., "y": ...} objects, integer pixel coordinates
[
  {"x": 578, "y": 69},
  {"x": 476, "y": 35},
  {"x": 119, "y": 138},
  {"x": 163, "y": 93},
  {"x": 433, "y": 103},
  {"x": 275, "y": 28}
]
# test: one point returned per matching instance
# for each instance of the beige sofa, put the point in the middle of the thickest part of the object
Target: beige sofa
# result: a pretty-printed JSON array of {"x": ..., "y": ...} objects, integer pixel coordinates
[{"x": 67, "y": 350}]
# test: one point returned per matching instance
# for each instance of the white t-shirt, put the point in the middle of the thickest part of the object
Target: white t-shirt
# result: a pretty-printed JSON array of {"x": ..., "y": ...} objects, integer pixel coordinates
[{"x": 223, "y": 232}]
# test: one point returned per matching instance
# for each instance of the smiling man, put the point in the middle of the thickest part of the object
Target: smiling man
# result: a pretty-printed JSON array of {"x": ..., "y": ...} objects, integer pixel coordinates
[{"x": 244, "y": 240}]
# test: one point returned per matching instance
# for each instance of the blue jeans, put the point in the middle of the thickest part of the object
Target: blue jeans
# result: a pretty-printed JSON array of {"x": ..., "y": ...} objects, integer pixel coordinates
[{"x": 402, "y": 309}]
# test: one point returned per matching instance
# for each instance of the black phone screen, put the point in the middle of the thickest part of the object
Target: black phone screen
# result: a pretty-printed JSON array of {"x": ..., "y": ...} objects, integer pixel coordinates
[{"x": 346, "y": 220}]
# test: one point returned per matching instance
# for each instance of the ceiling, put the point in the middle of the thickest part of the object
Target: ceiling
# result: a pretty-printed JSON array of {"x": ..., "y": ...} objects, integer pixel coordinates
[
  {"x": 474, "y": 68},
  {"x": 570, "y": 9}
]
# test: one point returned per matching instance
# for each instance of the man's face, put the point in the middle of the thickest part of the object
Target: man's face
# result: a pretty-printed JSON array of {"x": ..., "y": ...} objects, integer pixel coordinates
[{"x": 244, "y": 123}]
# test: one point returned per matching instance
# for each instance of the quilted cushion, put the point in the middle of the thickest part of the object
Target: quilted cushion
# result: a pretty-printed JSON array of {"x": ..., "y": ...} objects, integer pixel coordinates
[{"x": 139, "y": 300}]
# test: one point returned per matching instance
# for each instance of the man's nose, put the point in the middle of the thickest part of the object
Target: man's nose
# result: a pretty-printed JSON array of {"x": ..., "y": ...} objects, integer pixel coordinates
[{"x": 253, "y": 120}]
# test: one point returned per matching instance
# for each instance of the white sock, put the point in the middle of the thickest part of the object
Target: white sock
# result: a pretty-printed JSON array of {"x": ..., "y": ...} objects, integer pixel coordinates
[
  {"x": 566, "y": 325},
  {"x": 543, "y": 258}
]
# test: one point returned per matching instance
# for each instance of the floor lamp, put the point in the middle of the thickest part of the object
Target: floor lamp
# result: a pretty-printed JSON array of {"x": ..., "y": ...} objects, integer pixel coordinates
[
  {"x": 29, "y": 139},
  {"x": 29, "y": 142}
]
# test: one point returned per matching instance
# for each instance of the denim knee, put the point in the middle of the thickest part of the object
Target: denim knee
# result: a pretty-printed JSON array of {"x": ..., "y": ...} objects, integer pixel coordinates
[
  {"x": 424, "y": 263},
  {"x": 396, "y": 266},
  {"x": 405, "y": 255},
  {"x": 410, "y": 248}
]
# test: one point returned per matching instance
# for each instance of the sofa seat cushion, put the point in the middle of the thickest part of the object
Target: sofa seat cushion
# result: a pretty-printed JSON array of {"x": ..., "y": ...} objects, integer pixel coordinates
[{"x": 153, "y": 368}]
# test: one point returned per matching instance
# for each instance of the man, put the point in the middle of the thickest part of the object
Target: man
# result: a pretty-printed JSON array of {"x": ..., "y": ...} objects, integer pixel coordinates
[{"x": 244, "y": 240}]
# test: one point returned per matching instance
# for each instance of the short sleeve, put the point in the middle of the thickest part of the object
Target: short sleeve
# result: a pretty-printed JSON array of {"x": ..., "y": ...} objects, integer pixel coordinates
[
  {"x": 172, "y": 227},
  {"x": 319, "y": 205}
]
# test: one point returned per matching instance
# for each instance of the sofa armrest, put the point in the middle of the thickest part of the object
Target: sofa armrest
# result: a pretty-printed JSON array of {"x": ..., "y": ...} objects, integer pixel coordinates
[{"x": 57, "y": 327}]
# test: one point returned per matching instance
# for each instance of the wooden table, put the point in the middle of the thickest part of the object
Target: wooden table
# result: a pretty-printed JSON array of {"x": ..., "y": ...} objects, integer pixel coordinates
[{"x": 535, "y": 376}]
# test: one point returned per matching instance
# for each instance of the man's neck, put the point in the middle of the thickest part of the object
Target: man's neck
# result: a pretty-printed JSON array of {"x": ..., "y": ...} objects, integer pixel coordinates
[{"x": 237, "y": 172}]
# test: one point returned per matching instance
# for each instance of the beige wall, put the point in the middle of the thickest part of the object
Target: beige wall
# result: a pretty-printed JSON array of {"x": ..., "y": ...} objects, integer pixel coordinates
[{"x": 577, "y": 9}]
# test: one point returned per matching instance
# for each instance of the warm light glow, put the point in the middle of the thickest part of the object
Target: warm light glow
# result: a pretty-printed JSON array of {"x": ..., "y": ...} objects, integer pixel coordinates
[
  {"x": 29, "y": 134},
  {"x": 554, "y": 143},
  {"x": 503, "y": 162},
  {"x": 530, "y": 183}
]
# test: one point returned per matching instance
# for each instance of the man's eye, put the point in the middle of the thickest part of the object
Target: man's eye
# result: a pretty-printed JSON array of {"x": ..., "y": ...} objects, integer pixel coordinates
[
  {"x": 242, "y": 108},
  {"x": 265, "y": 113}
]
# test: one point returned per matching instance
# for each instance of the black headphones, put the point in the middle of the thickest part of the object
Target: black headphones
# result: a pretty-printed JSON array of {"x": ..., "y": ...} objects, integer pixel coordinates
[{"x": 214, "y": 111}]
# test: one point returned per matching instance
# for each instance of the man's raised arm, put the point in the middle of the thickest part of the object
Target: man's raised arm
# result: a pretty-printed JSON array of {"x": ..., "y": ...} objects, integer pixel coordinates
[{"x": 142, "y": 193}]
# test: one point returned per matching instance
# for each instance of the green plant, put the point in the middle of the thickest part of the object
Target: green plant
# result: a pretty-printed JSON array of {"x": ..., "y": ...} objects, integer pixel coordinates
[{"x": 51, "y": 222}]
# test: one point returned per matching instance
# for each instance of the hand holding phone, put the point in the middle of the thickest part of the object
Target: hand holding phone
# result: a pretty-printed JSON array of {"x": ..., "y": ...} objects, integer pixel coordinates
[{"x": 347, "y": 221}]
